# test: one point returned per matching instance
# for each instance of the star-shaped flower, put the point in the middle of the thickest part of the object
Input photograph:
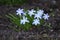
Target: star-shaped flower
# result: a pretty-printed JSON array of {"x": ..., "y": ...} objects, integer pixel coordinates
[
  {"x": 37, "y": 16},
  {"x": 36, "y": 22},
  {"x": 46, "y": 16},
  {"x": 31, "y": 12},
  {"x": 24, "y": 20},
  {"x": 40, "y": 12},
  {"x": 20, "y": 11}
]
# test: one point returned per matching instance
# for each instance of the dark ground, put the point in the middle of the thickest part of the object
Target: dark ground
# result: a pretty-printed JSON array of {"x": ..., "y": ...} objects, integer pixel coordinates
[{"x": 50, "y": 6}]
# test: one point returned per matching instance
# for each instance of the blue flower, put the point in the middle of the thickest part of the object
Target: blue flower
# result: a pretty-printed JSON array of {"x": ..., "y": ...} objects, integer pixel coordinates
[
  {"x": 24, "y": 20},
  {"x": 39, "y": 14},
  {"x": 31, "y": 12},
  {"x": 46, "y": 16},
  {"x": 36, "y": 22},
  {"x": 20, "y": 11}
]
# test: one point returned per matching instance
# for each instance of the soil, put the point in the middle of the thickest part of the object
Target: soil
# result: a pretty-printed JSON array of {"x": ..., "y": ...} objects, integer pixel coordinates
[{"x": 36, "y": 34}]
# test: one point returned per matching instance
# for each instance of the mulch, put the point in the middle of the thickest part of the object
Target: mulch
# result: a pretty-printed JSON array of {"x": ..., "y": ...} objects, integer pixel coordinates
[{"x": 9, "y": 34}]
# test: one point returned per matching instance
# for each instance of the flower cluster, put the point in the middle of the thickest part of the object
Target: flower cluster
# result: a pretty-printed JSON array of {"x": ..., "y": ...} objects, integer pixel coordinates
[{"x": 35, "y": 15}]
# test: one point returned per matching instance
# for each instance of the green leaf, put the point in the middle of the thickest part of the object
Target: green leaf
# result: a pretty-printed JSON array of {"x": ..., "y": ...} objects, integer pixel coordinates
[{"x": 14, "y": 19}]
